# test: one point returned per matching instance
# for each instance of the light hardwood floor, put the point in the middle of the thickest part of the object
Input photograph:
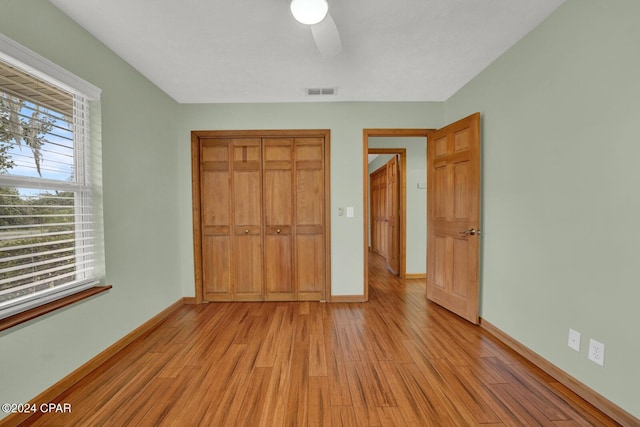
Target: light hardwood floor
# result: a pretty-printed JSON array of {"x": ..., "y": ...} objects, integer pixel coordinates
[{"x": 394, "y": 361}]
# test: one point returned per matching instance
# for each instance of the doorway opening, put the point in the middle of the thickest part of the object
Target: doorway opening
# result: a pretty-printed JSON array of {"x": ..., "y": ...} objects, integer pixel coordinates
[
  {"x": 387, "y": 207},
  {"x": 374, "y": 141}
]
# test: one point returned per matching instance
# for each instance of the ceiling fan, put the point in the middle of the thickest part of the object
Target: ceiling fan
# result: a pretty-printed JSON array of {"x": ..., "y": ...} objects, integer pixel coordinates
[{"x": 315, "y": 13}]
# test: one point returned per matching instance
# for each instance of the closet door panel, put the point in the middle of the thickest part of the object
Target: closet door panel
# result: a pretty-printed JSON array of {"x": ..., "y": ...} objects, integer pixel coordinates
[
  {"x": 310, "y": 266},
  {"x": 246, "y": 198},
  {"x": 278, "y": 197},
  {"x": 215, "y": 219},
  {"x": 278, "y": 200},
  {"x": 247, "y": 182},
  {"x": 278, "y": 183},
  {"x": 309, "y": 181},
  {"x": 216, "y": 250},
  {"x": 278, "y": 268},
  {"x": 247, "y": 215},
  {"x": 309, "y": 214},
  {"x": 247, "y": 270}
]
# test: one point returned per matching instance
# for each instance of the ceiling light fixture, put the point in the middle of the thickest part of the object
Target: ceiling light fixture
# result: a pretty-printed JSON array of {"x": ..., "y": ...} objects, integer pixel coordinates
[{"x": 309, "y": 12}]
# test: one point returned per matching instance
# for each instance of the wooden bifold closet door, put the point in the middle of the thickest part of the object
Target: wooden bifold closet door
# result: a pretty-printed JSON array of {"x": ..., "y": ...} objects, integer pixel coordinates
[{"x": 263, "y": 217}]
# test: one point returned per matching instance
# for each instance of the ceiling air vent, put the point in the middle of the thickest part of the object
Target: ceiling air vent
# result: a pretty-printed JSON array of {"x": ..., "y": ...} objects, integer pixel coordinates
[{"x": 321, "y": 91}]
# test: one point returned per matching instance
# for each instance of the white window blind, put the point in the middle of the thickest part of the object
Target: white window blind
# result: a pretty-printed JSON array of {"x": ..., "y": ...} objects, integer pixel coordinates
[{"x": 48, "y": 235}]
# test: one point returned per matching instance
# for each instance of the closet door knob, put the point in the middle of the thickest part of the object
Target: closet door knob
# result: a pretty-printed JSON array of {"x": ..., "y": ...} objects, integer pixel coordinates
[
  {"x": 246, "y": 231},
  {"x": 278, "y": 231}
]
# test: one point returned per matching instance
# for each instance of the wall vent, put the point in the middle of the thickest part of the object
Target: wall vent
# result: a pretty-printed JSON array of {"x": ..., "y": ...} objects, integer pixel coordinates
[{"x": 321, "y": 91}]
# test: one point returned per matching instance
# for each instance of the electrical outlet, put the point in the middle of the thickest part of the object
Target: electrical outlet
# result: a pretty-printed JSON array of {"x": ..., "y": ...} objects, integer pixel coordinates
[
  {"x": 574, "y": 340},
  {"x": 596, "y": 352}
]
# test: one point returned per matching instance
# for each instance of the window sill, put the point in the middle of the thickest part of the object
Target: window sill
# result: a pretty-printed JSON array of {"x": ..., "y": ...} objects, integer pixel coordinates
[{"x": 27, "y": 315}]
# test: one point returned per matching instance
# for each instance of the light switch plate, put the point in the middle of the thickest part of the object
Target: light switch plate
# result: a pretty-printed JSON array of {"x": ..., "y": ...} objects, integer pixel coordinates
[
  {"x": 574, "y": 340},
  {"x": 349, "y": 211}
]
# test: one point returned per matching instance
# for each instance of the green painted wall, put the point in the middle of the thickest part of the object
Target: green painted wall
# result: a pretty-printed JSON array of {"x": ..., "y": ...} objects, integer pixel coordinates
[
  {"x": 346, "y": 122},
  {"x": 140, "y": 184},
  {"x": 561, "y": 202},
  {"x": 416, "y": 217}
]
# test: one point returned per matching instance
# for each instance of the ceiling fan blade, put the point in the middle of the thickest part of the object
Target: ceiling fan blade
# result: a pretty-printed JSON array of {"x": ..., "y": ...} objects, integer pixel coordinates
[{"x": 327, "y": 38}]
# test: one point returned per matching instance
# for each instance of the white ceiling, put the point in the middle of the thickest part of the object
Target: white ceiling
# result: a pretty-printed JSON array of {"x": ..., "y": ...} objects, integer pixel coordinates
[{"x": 214, "y": 51}]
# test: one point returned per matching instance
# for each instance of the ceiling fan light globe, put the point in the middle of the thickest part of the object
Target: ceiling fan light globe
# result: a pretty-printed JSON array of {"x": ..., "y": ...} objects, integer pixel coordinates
[{"x": 309, "y": 12}]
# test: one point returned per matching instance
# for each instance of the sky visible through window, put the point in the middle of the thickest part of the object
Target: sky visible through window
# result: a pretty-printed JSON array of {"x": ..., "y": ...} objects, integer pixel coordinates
[{"x": 56, "y": 149}]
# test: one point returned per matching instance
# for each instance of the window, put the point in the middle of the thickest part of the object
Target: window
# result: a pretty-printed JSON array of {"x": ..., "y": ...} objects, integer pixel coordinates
[{"x": 50, "y": 233}]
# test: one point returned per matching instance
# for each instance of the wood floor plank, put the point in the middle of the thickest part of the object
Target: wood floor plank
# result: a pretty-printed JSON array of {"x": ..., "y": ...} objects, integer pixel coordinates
[
  {"x": 184, "y": 409},
  {"x": 391, "y": 416},
  {"x": 343, "y": 416},
  {"x": 302, "y": 327},
  {"x": 405, "y": 403},
  {"x": 304, "y": 308},
  {"x": 379, "y": 388},
  {"x": 250, "y": 410},
  {"x": 277, "y": 389},
  {"x": 227, "y": 409},
  {"x": 202, "y": 344},
  {"x": 317, "y": 356},
  {"x": 485, "y": 370},
  {"x": 538, "y": 393},
  {"x": 165, "y": 339},
  {"x": 348, "y": 344},
  {"x": 319, "y": 403},
  {"x": 136, "y": 384},
  {"x": 177, "y": 362},
  {"x": 316, "y": 319},
  {"x": 483, "y": 394},
  {"x": 430, "y": 387},
  {"x": 125, "y": 384},
  {"x": 585, "y": 413},
  {"x": 339, "y": 392},
  {"x": 520, "y": 406},
  {"x": 361, "y": 397},
  {"x": 143, "y": 407},
  {"x": 381, "y": 340},
  {"x": 248, "y": 326},
  {"x": 267, "y": 354},
  {"x": 298, "y": 397},
  {"x": 465, "y": 392},
  {"x": 415, "y": 407},
  {"x": 279, "y": 386},
  {"x": 397, "y": 360}
]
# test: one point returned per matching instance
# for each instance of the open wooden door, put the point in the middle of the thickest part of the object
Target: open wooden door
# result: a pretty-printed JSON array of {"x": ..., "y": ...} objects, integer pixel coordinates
[
  {"x": 453, "y": 217},
  {"x": 393, "y": 215}
]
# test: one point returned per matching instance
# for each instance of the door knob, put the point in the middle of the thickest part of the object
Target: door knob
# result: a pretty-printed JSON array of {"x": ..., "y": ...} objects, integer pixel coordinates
[
  {"x": 246, "y": 231},
  {"x": 278, "y": 231},
  {"x": 469, "y": 232}
]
